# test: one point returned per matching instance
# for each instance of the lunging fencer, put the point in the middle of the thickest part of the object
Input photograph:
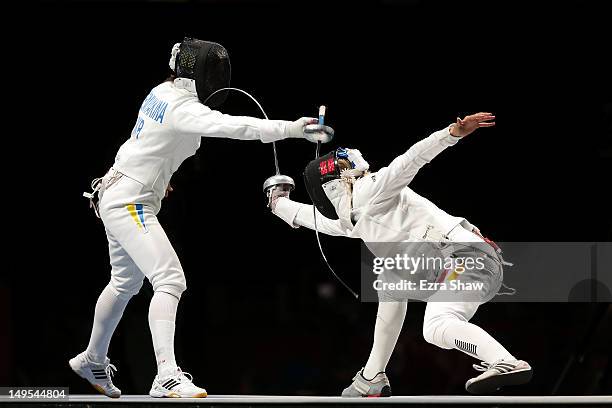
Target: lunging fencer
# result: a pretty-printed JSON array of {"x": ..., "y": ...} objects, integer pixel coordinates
[
  {"x": 379, "y": 207},
  {"x": 171, "y": 122}
]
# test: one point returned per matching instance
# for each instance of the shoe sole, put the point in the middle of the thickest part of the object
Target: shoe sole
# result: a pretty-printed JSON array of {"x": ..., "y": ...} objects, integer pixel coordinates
[
  {"x": 101, "y": 391},
  {"x": 95, "y": 386},
  {"x": 384, "y": 393},
  {"x": 175, "y": 395},
  {"x": 494, "y": 383}
]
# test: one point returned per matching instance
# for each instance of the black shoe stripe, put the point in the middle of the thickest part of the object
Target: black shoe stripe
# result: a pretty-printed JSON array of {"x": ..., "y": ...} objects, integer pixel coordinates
[
  {"x": 510, "y": 368},
  {"x": 171, "y": 383}
]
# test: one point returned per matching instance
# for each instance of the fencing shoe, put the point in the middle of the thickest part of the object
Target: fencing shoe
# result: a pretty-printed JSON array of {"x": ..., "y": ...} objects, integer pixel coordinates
[
  {"x": 497, "y": 375},
  {"x": 376, "y": 387},
  {"x": 176, "y": 385},
  {"x": 98, "y": 374}
]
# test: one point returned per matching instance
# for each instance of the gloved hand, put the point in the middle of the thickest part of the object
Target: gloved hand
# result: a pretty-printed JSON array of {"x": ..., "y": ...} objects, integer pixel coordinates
[
  {"x": 175, "y": 50},
  {"x": 355, "y": 157},
  {"x": 296, "y": 128},
  {"x": 276, "y": 192}
]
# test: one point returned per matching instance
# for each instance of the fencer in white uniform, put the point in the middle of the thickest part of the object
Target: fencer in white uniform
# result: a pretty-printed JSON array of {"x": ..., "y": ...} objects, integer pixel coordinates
[
  {"x": 379, "y": 207},
  {"x": 171, "y": 123}
]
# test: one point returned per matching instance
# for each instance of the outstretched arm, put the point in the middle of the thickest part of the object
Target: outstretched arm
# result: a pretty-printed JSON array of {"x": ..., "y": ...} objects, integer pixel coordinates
[
  {"x": 193, "y": 118},
  {"x": 392, "y": 179},
  {"x": 298, "y": 214}
]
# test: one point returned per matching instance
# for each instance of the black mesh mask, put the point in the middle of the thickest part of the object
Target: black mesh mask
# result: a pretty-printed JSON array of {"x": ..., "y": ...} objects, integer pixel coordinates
[
  {"x": 317, "y": 173},
  {"x": 208, "y": 64}
]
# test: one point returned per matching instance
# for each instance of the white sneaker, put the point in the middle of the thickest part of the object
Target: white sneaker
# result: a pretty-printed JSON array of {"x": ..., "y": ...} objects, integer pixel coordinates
[
  {"x": 361, "y": 387},
  {"x": 497, "y": 375},
  {"x": 98, "y": 374},
  {"x": 177, "y": 385}
]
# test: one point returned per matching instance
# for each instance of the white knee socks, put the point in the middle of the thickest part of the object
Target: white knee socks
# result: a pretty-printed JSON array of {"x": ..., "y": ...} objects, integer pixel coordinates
[
  {"x": 446, "y": 324},
  {"x": 389, "y": 321},
  {"x": 473, "y": 340},
  {"x": 162, "y": 317},
  {"x": 109, "y": 310}
]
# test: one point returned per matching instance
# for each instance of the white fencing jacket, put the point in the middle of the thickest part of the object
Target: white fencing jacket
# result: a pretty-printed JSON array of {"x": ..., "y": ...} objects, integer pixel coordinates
[
  {"x": 170, "y": 124},
  {"x": 385, "y": 208}
]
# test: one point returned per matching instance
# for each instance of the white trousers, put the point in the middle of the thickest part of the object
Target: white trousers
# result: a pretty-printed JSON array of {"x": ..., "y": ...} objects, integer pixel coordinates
[{"x": 137, "y": 244}]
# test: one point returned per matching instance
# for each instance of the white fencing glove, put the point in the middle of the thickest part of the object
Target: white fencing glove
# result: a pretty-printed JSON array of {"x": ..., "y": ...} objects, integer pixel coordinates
[
  {"x": 357, "y": 159},
  {"x": 276, "y": 192},
  {"x": 296, "y": 128},
  {"x": 173, "y": 53}
]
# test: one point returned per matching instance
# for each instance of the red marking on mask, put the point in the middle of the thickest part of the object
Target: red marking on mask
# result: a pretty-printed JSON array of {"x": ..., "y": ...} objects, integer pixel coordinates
[{"x": 323, "y": 168}]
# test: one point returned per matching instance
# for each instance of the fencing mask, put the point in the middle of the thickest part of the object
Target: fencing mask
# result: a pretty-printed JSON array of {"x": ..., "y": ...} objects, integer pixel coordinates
[
  {"x": 205, "y": 63},
  {"x": 345, "y": 164}
]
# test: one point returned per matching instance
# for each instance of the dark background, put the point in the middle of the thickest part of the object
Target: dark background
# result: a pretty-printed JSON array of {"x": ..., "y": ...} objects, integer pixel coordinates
[{"x": 261, "y": 314}]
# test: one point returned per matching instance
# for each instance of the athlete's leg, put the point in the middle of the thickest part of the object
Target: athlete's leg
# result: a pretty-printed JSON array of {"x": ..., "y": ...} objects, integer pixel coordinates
[
  {"x": 372, "y": 380},
  {"x": 143, "y": 238},
  {"x": 126, "y": 281},
  {"x": 389, "y": 322},
  {"x": 446, "y": 324}
]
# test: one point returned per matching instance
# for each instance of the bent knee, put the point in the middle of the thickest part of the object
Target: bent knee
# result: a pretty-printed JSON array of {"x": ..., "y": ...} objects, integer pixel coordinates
[
  {"x": 126, "y": 288},
  {"x": 171, "y": 281},
  {"x": 435, "y": 326}
]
